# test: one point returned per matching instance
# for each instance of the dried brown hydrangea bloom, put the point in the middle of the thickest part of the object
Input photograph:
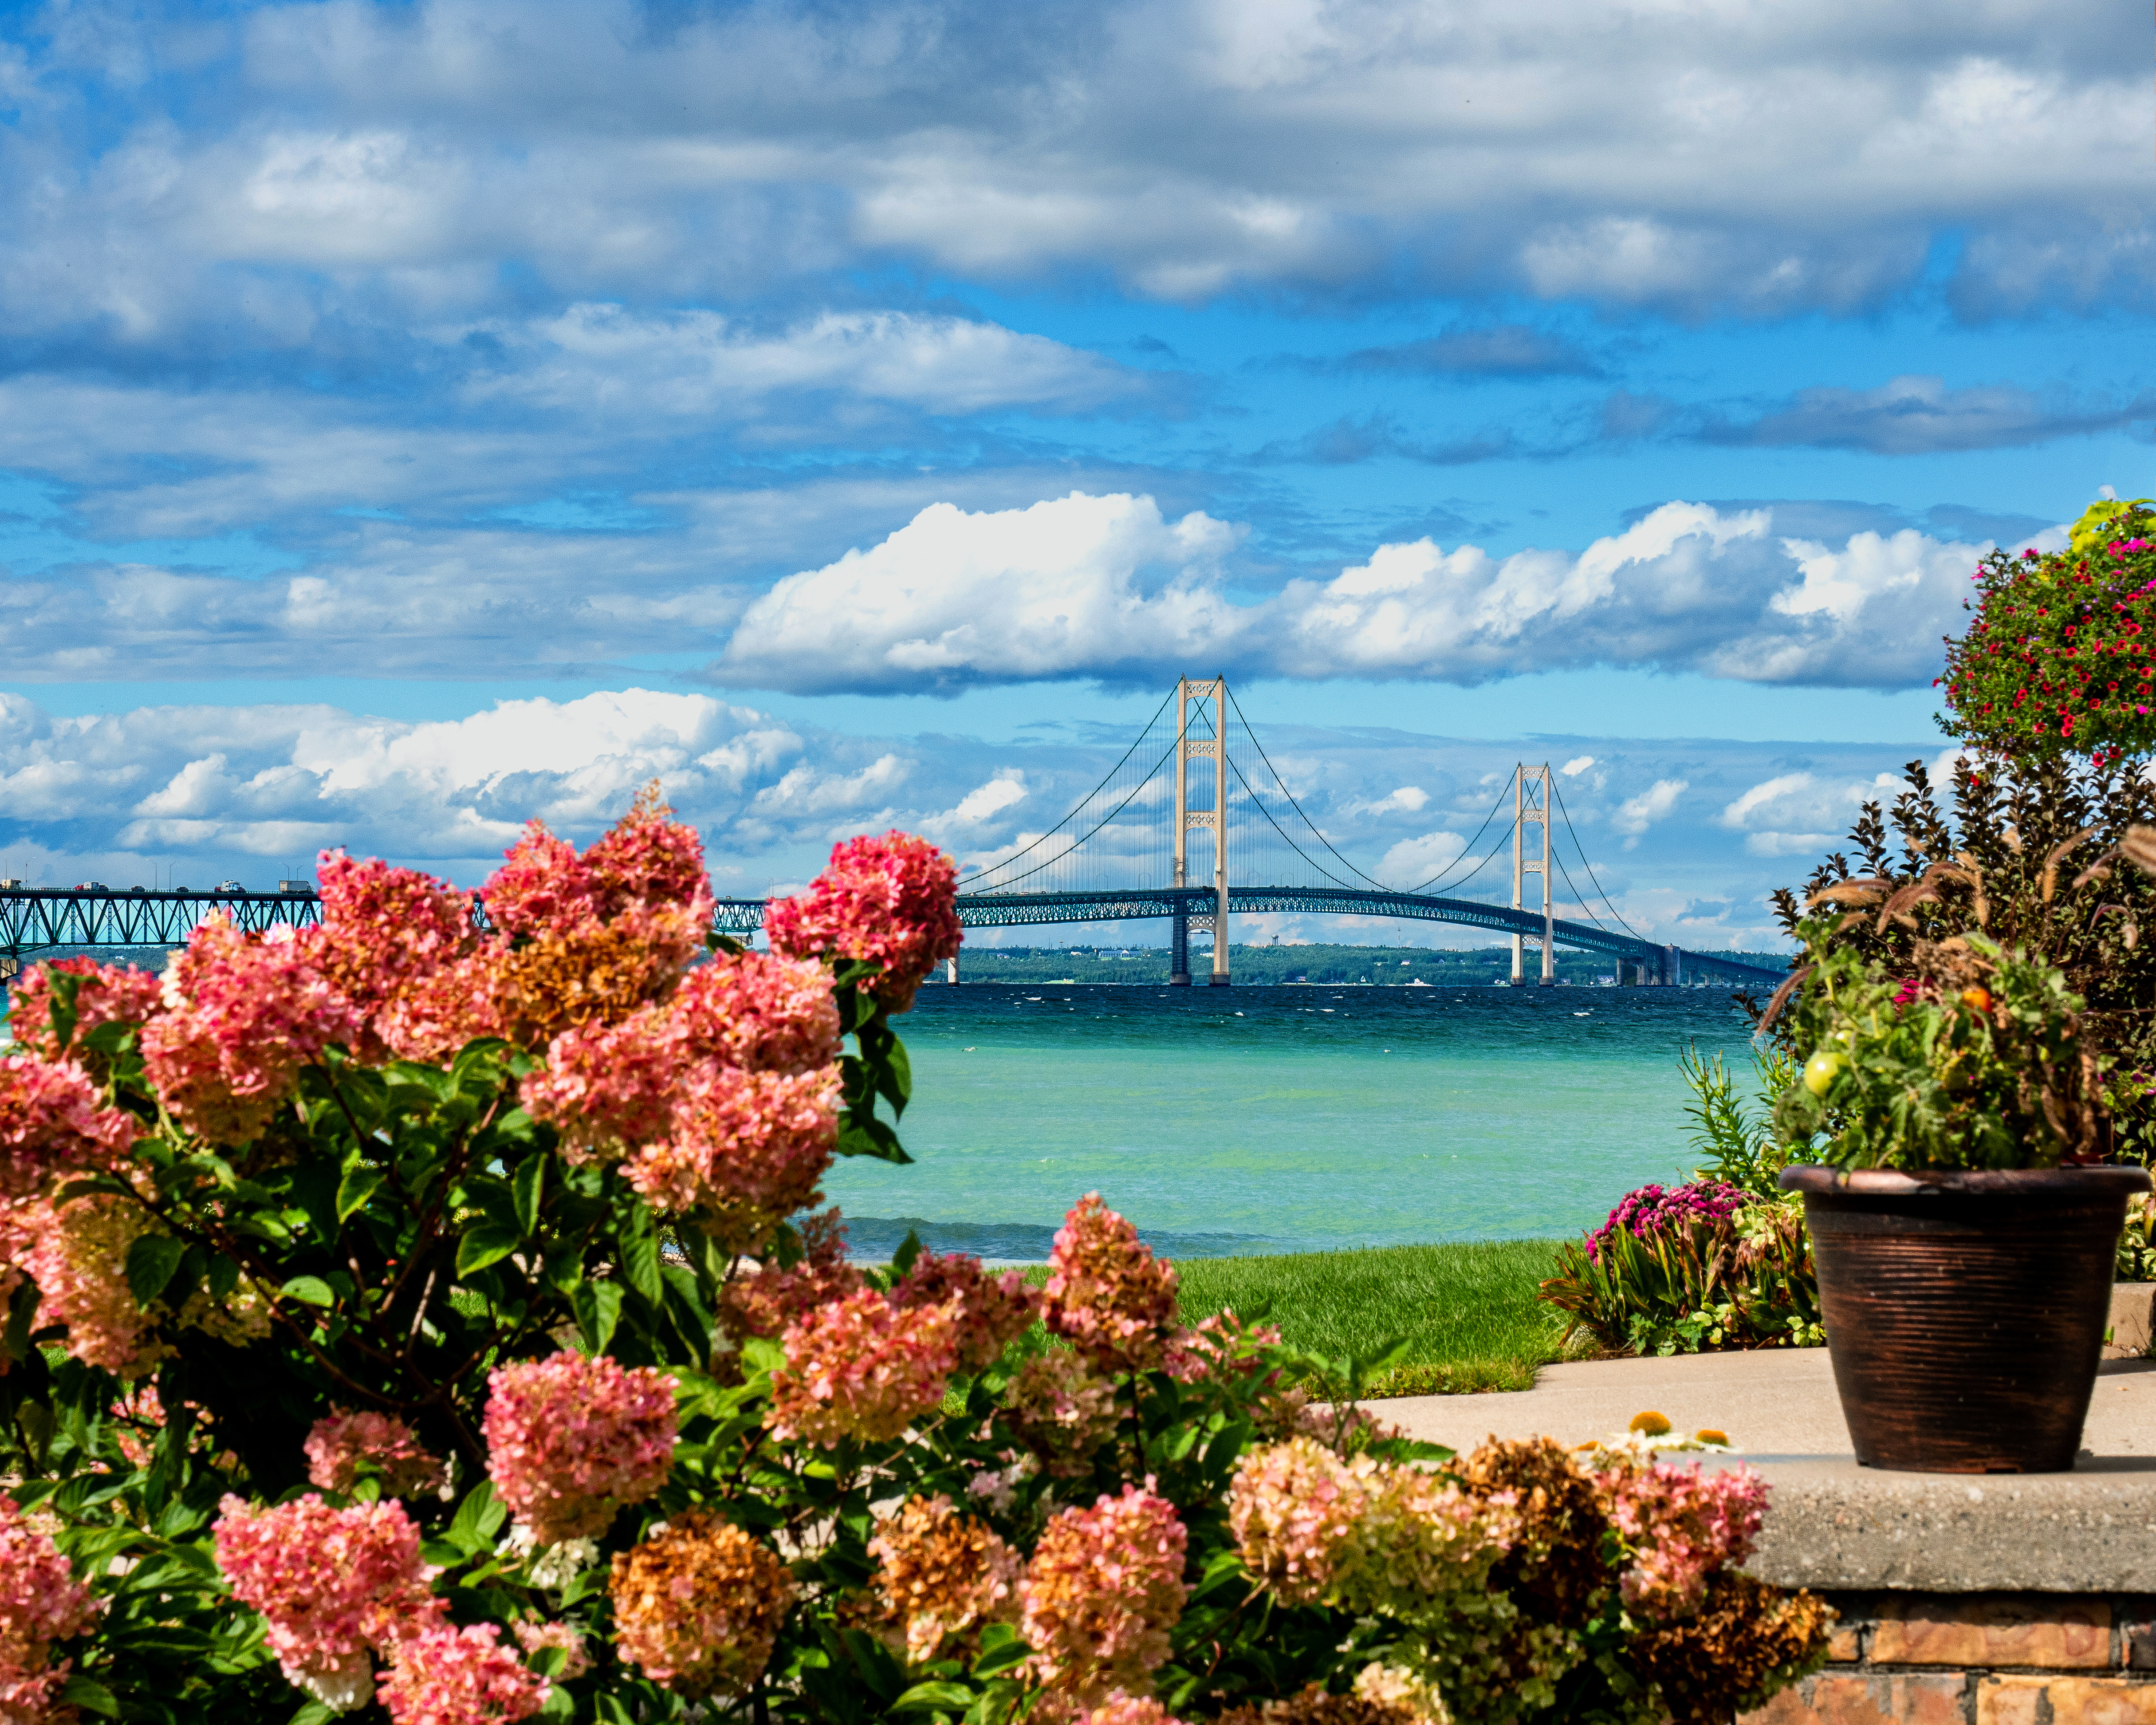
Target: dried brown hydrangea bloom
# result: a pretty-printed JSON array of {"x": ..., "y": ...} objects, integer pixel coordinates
[
  {"x": 942, "y": 1575},
  {"x": 1556, "y": 1561},
  {"x": 1720, "y": 1662},
  {"x": 698, "y": 1605}
]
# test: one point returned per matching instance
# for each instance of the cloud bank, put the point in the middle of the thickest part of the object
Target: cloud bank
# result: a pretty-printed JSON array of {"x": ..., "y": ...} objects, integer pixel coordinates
[{"x": 1108, "y": 587}]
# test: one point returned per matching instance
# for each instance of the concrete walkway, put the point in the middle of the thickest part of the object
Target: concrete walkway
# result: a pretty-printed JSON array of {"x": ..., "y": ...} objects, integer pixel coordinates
[{"x": 1779, "y": 1402}]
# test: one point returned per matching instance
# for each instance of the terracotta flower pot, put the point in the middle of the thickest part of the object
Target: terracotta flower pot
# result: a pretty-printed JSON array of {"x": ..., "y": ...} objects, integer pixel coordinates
[{"x": 1965, "y": 1311}]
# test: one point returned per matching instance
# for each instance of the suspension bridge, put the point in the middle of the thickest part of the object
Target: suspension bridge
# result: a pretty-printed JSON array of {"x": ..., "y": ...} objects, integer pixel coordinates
[{"x": 1194, "y": 825}]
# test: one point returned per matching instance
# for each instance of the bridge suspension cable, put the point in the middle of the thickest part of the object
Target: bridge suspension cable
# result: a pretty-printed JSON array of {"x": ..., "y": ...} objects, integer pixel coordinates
[{"x": 1580, "y": 850}]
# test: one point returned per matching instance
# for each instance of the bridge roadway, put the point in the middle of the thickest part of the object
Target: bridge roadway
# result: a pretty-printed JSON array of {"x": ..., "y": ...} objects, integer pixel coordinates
[{"x": 34, "y": 920}]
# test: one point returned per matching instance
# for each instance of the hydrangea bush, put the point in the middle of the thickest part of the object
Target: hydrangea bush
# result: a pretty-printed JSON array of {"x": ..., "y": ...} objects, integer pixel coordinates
[{"x": 428, "y": 1318}]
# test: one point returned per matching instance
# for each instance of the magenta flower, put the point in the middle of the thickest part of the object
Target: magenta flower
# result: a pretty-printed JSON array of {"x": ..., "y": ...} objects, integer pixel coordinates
[{"x": 1652, "y": 1208}]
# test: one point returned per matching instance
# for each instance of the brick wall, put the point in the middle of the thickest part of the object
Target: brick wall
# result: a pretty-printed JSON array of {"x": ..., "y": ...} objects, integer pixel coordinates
[{"x": 1981, "y": 1659}]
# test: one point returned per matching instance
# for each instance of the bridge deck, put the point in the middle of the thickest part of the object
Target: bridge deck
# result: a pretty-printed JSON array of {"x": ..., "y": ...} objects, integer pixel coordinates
[{"x": 43, "y": 920}]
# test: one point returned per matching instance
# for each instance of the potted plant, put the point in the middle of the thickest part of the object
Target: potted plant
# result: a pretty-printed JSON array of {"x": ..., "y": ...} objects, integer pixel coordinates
[{"x": 1962, "y": 1226}]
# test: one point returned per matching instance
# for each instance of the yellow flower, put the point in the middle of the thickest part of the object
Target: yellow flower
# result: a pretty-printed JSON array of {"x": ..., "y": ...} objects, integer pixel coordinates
[{"x": 1652, "y": 1423}]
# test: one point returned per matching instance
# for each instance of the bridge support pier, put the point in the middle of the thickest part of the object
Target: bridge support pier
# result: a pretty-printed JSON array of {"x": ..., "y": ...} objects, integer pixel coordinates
[
  {"x": 1179, "y": 948},
  {"x": 951, "y": 971}
]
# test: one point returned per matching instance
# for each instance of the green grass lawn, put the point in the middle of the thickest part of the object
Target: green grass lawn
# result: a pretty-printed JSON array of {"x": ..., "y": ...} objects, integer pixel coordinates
[{"x": 1467, "y": 1311}]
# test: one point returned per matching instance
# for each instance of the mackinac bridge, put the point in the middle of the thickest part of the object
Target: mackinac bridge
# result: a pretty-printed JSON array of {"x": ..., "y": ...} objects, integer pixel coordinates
[{"x": 1193, "y": 826}]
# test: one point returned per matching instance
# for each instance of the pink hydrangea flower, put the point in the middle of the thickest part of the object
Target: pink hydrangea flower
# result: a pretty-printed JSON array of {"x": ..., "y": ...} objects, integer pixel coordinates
[
  {"x": 1355, "y": 1532},
  {"x": 1221, "y": 1345},
  {"x": 248, "y": 1011},
  {"x": 445, "y": 1676},
  {"x": 1680, "y": 1525},
  {"x": 537, "y": 1637},
  {"x": 1062, "y": 1410},
  {"x": 53, "y": 1123},
  {"x": 345, "y": 1442},
  {"x": 40, "y": 1602},
  {"x": 698, "y": 1605},
  {"x": 385, "y": 932},
  {"x": 747, "y": 1150},
  {"x": 330, "y": 1584},
  {"x": 1104, "y": 1587},
  {"x": 862, "y": 1368},
  {"x": 890, "y": 900},
  {"x": 988, "y": 1312},
  {"x": 1121, "y": 1709},
  {"x": 76, "y": 1252},
  {"x": 766, "y": 1301},
  {"x": 106, "y": 995},
  {"x": 570, "y": 1440},
  {"x": 1105, "y": 1292}
]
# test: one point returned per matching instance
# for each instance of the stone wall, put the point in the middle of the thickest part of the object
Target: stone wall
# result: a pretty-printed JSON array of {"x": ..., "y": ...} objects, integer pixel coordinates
[{"x": 1981, "y": 1659}]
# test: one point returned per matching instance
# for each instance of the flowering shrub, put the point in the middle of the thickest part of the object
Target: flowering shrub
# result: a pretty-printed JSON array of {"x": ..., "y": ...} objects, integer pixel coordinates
[
  {"x": 1973, "y": 1059},
  {"x": 428, "y": 1319},
  {"x": 1650, "y": 1209},
  {"x": 2061, "y": 656}
]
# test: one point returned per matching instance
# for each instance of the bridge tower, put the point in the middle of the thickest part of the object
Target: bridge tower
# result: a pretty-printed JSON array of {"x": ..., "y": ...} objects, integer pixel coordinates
[
  {"x": 1530, "y": 808},
  {"x": 1192, "y": 692}
]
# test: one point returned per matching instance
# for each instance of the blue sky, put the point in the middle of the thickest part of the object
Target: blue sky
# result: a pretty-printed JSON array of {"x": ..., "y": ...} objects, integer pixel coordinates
[{"x": 414, "y": 417}]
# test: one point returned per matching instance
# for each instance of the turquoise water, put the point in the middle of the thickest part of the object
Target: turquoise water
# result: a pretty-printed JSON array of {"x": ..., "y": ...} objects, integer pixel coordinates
[{"x": 1283, "y": 1119}]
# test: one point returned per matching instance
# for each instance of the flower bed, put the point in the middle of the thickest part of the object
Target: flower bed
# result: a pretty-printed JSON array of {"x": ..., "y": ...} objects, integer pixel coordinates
[{"x": 408, "y": 1319}]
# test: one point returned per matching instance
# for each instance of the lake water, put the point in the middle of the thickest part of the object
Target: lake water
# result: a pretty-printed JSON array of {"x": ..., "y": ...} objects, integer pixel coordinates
[{"x": 1283, "y": 1119}]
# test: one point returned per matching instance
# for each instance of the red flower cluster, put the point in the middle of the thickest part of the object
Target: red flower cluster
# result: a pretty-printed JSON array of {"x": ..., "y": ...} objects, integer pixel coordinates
[{"x": 2060, "y": 656}]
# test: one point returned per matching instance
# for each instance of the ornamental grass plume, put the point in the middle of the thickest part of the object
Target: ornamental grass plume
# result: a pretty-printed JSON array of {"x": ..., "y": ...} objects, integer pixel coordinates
[
  {"x": 698, "y": 1604},
  {"x": 344, "y": 1446},
  {"x": 331, "y": 1584},
  {"x": 887, "y": 902},
  {"x": 988, "y": 1312},
  {"x": 1062, "y": 1410},
  {"x": 941, "y": 1575},
  {"x": 1100, "y": 1593},
  {"x": 447, "y": 1676},
  {"x": 570, "y": 1440},
  {"x": 40, "y": 1602},
  {"x": 1107, "y": 1294},
  {"x": 861, "y": 1368},
  {"x": 53, "y": 1125},
  {"x": 244, "y": 1013}
]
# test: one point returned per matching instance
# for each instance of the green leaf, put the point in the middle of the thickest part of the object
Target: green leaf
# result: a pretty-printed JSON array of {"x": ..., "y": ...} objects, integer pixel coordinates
[
  {"x": 150, "y": 1262},
  {"x": 760, "y": 1354},
  {"x": 597, "y": 1305},
  {"x": 478, "y": 1519},
  {"x": 315, "y": 1712},
  {"x": 84, "y": 1693},
  {"x": 865, "y": 1135},
  {"x": 64, "y": 985},
  {"x": 1000, "y": 1652},
  {"x": 640, "y": 1255},
  {"x": 483, "y": 1243},
  {"x": 15, "y": 1338},
  {"x": 909, "y": 1250},
  {"x": 224, "y": 1276},
  {"x": 308, "y": 1289},
  {"x": 359, "y": 1184},
  {"x": 934, "y": 1698},
  {"x": 529, "y": 1188},
  {"x": 896, "y": 1080}
]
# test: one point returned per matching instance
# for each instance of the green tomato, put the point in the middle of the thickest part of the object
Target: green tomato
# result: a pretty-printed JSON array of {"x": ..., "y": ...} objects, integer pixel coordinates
[{"x": 1823, "y": 1068}]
